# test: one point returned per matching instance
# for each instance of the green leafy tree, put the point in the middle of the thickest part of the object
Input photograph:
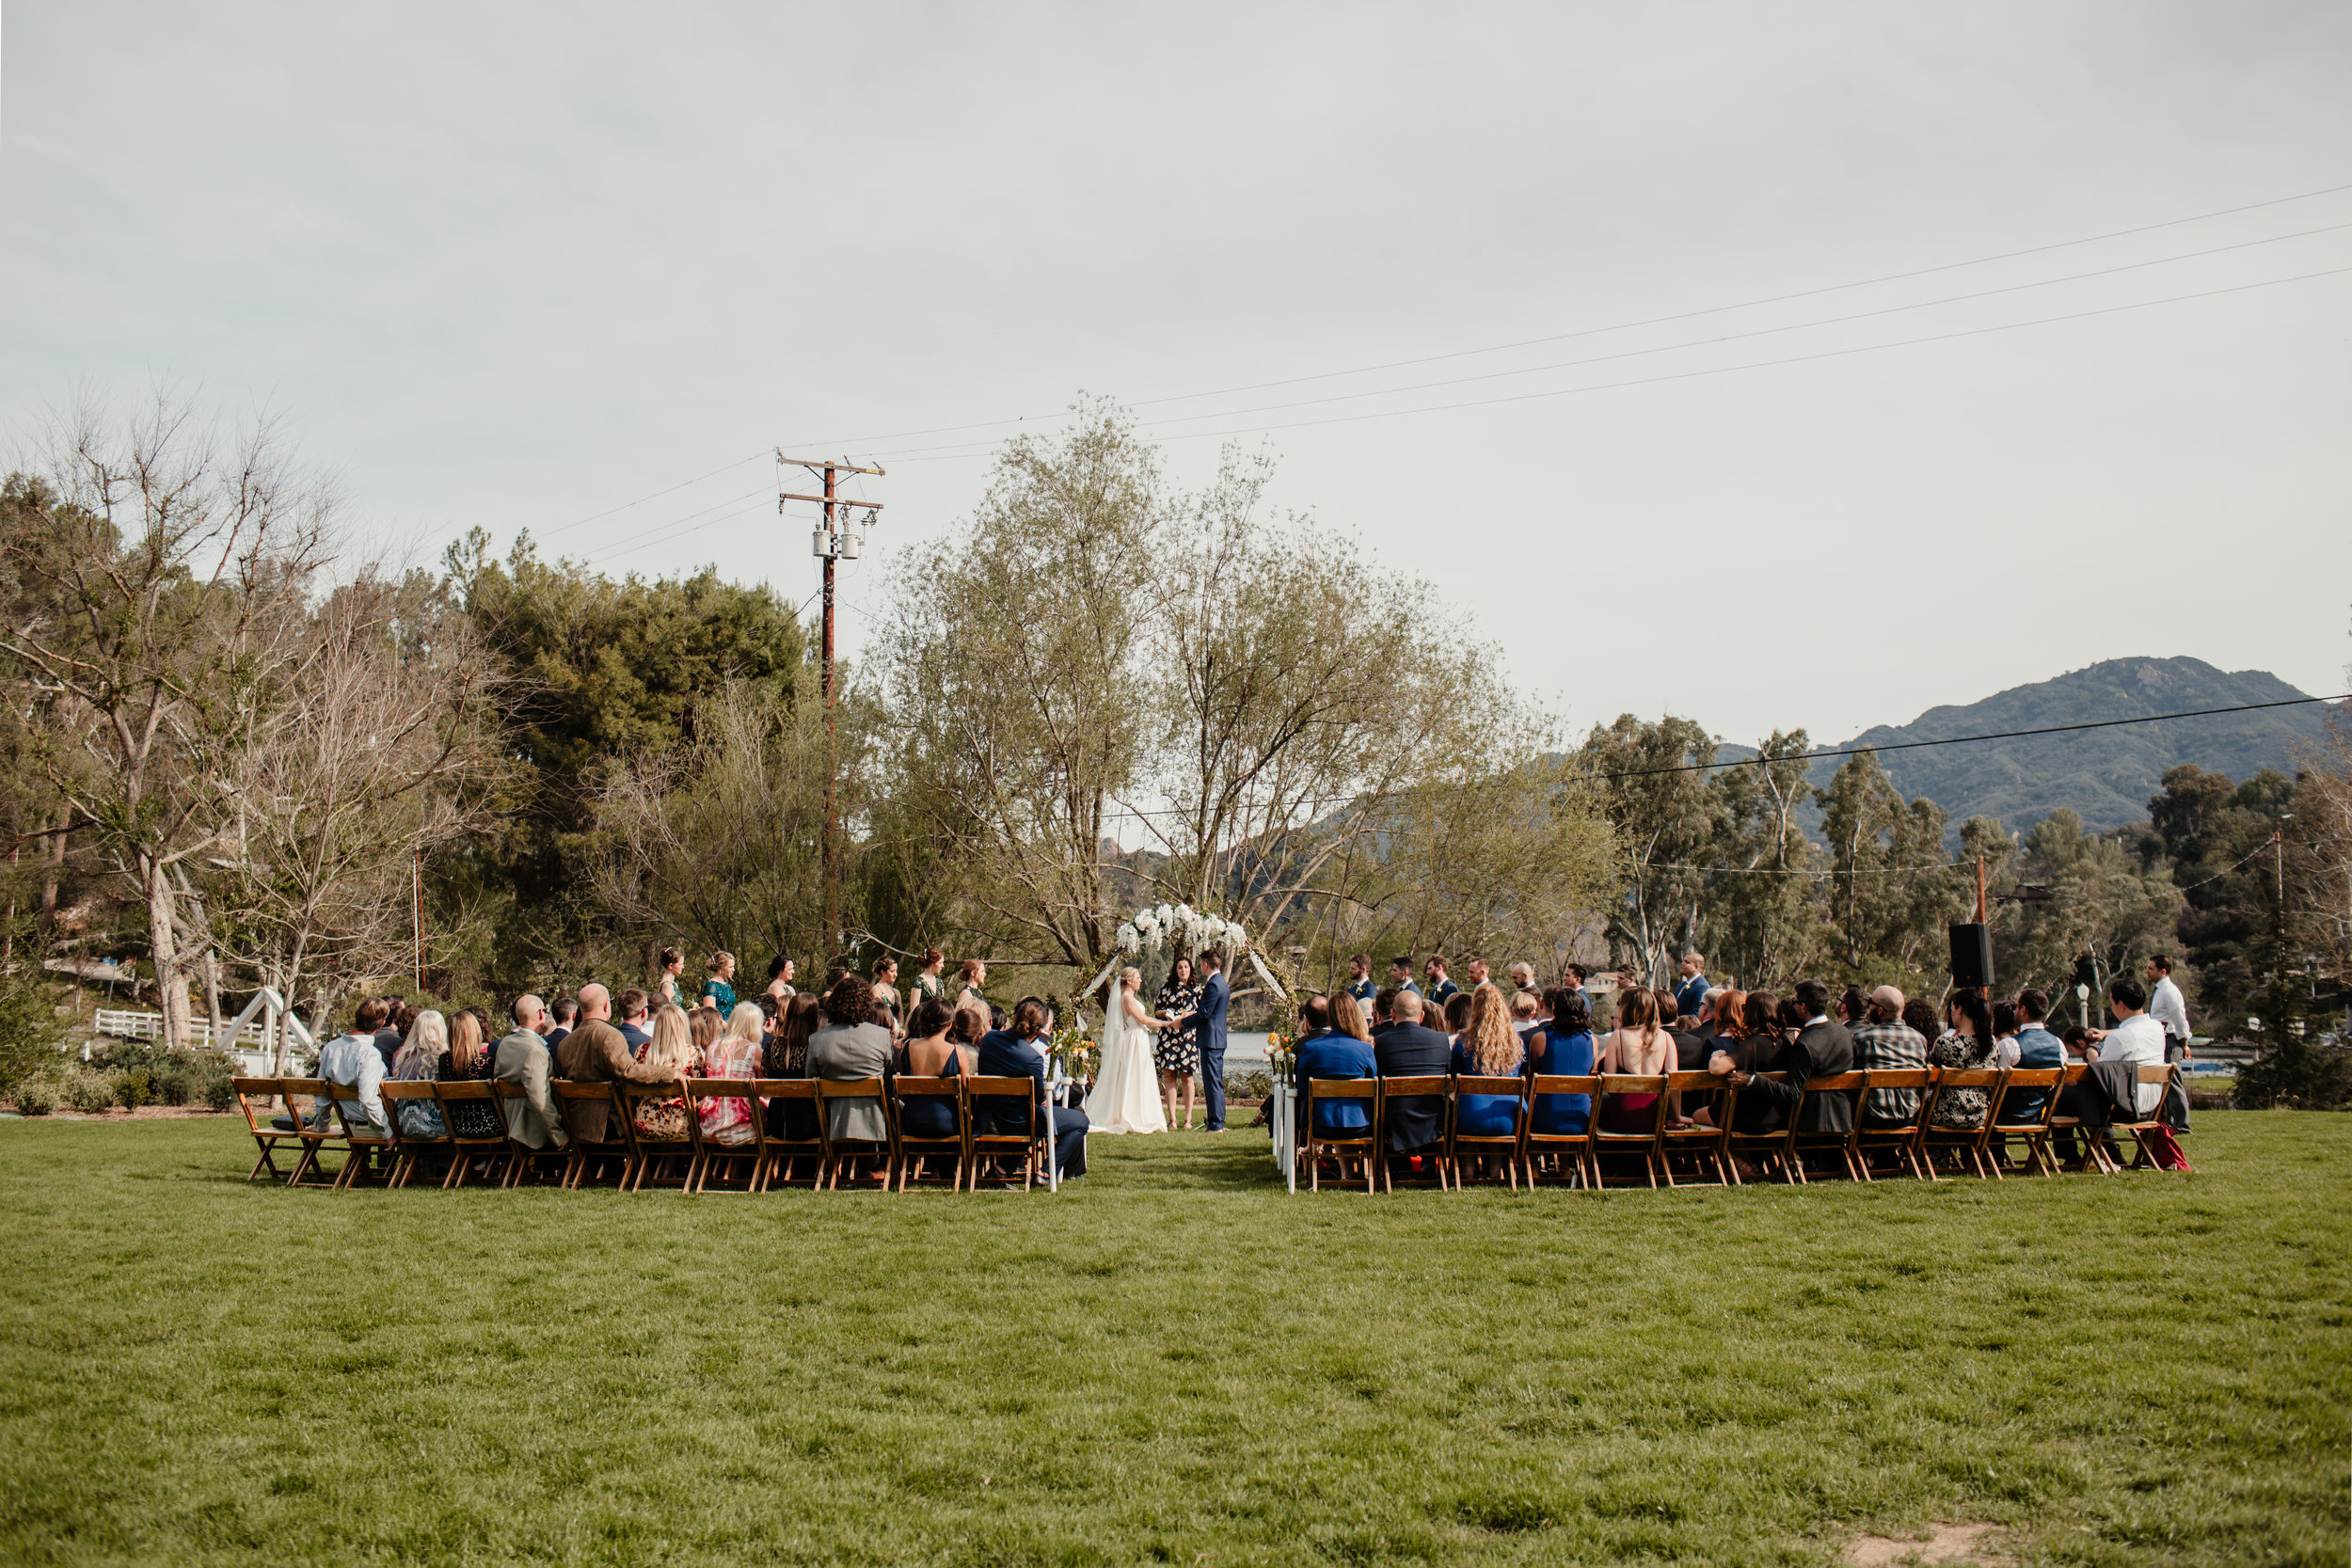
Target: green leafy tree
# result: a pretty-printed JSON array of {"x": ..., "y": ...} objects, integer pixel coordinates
[
  {"x": 601, "y": 672},
  {"x": 1761, "y": 916},
  {"x": 2214, "y": 833},
  {"x": 1665, "y": 820}
]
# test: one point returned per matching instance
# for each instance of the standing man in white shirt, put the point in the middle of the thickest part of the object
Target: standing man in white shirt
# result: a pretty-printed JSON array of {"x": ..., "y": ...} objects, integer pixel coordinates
[{"x": 2170, "y": 1011}]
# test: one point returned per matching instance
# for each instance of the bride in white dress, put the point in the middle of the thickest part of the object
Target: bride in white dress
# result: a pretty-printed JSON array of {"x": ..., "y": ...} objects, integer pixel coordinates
[{"x": 1126, "y": 1093}]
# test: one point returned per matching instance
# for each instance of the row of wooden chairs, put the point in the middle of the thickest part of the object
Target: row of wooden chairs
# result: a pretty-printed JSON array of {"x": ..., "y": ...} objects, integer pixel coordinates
[
  {"x": 689, "y": 1161},
  {"x": 1712, "y": 1152}
]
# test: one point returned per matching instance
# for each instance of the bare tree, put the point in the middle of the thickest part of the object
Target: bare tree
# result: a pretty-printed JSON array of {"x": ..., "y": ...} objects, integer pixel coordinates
[
  {"x": 378, "y": 753},
  {"x": 161, "y": 586}
]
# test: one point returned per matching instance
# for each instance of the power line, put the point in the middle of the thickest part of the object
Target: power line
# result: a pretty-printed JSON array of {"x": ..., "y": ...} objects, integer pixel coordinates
[
  {"x": 1808, "y": 758},
  {"x": 1719, "y": 370},
  {"x": 1621, "y": 327},
  {"x": 566, "y": 528}
]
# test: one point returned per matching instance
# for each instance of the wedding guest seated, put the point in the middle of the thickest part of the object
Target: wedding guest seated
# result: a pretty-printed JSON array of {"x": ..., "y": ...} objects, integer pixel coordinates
[
  {"x": 1563, "y": 1049},
  {"x": 1384, "y": 1010},
  {"x": 1523, "y": 1010},
  {"x": 1726, "y": 1031},
  {"x": 524, "y": 1057},
  {"x": 2034, "y": 1048},
  {"x": 733, "y": 1054},
  {"x": 424, "y": 1058},
  {"x": 785, "y": 1054},
  {"x": 1408, "y": 1049},
  {"x": 2135, "y": 1040},
  {"x": 1884, "y": 1043},
  {"x": 1458, "y": 1015},
  {"x": 596, "y": 1052},
  {"x": 930, "y": 1054},
  {"x": 1852, "y": 1009},
  {"x": 851, "y": 1045},
  {"x": 558, "y": 1019},
  {"x": 1965, "y": 1046},
  {"x": 636, "y": 1026},
  {"x": 670, "y": 1055},
  {"x": 1691, "y": 1047},
  {"x": 1487, "y": 1048},
  {"x": 380, "y": 1016},
  {"x": 352, "y": 1060},
  {"x": 1920, "y": 1015},
  {"x": 1820, "y": 1049},
  {"x": 1640, "y": 1047},
  {"x": 1019, "y": 1052},
  {"x": 965, "y": 1032},
  {"x": 1327, "y": 1050}
]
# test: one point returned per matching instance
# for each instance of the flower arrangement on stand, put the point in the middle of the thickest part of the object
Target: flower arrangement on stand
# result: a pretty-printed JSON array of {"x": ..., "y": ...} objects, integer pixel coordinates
[{"x": 1078, "y": 1055}]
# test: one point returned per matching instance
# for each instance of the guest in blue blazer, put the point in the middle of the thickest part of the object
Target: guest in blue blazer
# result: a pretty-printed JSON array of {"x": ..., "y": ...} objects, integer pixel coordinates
[
  {"x": 1336, "y": 1045},
  {"x": 1021, "y": 1054},
  {"x": 1208, "y": 1027},
  {"x": 1563, "y": 1049}
]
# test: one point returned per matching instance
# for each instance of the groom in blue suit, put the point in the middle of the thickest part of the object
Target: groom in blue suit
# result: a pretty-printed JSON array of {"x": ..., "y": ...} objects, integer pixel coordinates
[{"x": 1208, "y": 1027}]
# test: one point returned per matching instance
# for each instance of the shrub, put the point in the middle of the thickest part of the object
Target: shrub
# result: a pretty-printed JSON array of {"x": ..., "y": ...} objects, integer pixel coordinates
[
  {"x": 174, "y": 1085},
  {"x": 36, "y": 1096},
  {"x": 90, "y": 1093},
  {"x": 212, "y": 1091},
  {"x": 134, "y": 1088},
  {"x": 28, "y": 1030},
  {"x": 1250, "y": 1084}
]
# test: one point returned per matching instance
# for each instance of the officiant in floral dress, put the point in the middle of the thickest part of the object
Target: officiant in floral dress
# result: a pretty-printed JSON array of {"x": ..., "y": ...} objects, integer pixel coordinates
[{"x": 1177, "y": 1052}]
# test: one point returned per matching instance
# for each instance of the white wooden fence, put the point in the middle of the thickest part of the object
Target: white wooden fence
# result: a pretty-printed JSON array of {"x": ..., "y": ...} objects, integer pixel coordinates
[{"x": 251, "y": 1037}]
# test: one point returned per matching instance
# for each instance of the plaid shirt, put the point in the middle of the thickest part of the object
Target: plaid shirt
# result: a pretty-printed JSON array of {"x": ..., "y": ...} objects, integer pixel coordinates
[{"x": 1890, "y": 1048}]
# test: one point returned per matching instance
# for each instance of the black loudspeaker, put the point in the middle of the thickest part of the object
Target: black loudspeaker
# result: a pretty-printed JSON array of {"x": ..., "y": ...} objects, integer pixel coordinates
[{"x": 1972, "y": 957}]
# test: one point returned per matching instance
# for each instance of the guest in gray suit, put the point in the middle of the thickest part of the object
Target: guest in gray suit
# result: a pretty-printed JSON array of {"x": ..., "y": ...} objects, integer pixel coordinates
[
  {"x": 849, "y": 1047},
  {"x": 524, "y": 1058}
]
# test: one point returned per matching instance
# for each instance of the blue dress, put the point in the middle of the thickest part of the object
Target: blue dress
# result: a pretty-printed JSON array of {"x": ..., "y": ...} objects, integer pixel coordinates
[
  {"x": 929, "y": 1115},
  {"x": 1570, "y": 1057},
  {"x": 1484, "y": 1115}
]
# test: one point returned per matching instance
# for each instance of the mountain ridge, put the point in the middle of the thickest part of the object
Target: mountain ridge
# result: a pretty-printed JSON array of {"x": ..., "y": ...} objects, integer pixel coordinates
[{"x": 2106, "y": 776}]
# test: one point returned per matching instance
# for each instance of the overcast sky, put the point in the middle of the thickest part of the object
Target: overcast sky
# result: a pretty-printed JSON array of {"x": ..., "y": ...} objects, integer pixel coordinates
[{"x": 513, "y": 266}]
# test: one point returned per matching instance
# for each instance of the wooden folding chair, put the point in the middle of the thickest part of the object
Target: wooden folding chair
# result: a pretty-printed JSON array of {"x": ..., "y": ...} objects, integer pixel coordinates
[
  {"x": 956, "y": 1146},
  {"x": 2092, "y": 1137},
  {"x": 1703, "y": 1141},
  {"x": 1393, "y": 1091},
  {"x": 783, "y": 1150},
  {"x": 1574, "y": 1151},
  {"x": 1458, "y": 1143},
  {"x": 1966, "y": 1142},
  {"x": 655, "y": 1147},
  {"x": 2145, "y": 1124},
  {"x": 319, "y": 1131},
  {"x": 1365, "y": 1146},
  {"x": 1023, "y": 1143},
  {"x": 254, "y": 1096},
  {"x": 408, "y": 1147},
  {"x": 477, "y": 1095},
  {"x": 615, "y": 1144},
  {"x": 2035, "y": 1132},
  {"x": 713, "y": 1158},
  {"x": 522, "y": 1160},
  {"x": 1900, "y": 1139},
  {"x": 1606, "y": 1143},
  {"x": 839, "y": 1151},
  {"x": 1801, "y": 1144},
  {"x": 369, "y": 1150}
]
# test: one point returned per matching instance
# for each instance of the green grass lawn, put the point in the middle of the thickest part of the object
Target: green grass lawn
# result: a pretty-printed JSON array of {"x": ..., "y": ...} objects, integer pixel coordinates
[{"x": 1172, "y": 1361}]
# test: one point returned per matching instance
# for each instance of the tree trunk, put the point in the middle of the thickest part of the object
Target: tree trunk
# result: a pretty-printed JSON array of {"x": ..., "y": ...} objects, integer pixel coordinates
[
  {"x": 56, "y": 870},
  {"x": 171, "y": 991}
]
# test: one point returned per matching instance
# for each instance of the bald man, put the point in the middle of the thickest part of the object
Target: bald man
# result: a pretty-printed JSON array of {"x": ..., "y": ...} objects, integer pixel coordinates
[
  {"x": 523, "y": 1059},
  {"x": 1885, "y": 1043},
  {"x": 597, "y": 1053}
]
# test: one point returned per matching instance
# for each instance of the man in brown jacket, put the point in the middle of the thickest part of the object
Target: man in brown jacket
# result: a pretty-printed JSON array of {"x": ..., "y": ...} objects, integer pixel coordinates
[{"x": 594, "y": 1052}]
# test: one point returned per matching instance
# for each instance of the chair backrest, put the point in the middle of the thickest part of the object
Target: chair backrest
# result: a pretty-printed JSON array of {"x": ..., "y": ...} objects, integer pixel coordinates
[
  {"x": 774, "y": 1089},
  {"x": 567, "y": 1091},
  {"x": 850, "y": 1088},
  {"x": 252, "y": 1096},
  {"x": 2044, "y": 1079},
  {"x": 1004, "y": 1091},
  {"x": 355, "y": 1122},
  {"x": 1514, "y": 1089},
  {"x": 397, "y": 1089},
  {"x": 1553, "y": 1082},
  {"x": 1626, "y": 1083},
  {"x": 1843, "y": 1083},
  {"x": 316, "y": 1090},
  {"x": 633, "y": 1101},
  {"x": 2153, "y": 1072},
  {"x": 1901, "y": 1078},
  {"x": 1398, "y": 1088},
  {"x": 1343, "y": 1088},
  {"x": 903, "y": 1089},
  {"x": 457, "y": 1091}
]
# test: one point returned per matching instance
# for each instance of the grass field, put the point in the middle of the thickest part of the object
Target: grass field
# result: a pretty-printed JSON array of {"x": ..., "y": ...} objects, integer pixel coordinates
[{"x": 1171, "y": 1362}]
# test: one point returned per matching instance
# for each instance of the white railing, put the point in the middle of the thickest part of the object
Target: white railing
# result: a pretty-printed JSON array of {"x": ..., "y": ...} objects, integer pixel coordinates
[{"x": 253, "y": 1036}]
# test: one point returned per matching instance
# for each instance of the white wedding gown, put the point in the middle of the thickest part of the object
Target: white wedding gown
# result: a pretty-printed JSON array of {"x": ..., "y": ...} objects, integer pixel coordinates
[{"x": 1126, "y": 1093}]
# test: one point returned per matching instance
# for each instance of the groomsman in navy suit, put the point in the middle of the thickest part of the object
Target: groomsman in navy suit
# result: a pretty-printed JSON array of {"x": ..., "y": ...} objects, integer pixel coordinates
[{"x": 1209, "y": 1026}]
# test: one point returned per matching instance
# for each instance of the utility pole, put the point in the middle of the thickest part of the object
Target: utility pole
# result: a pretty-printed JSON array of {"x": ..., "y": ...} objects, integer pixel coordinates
[{"x": 835, "y": 540}]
